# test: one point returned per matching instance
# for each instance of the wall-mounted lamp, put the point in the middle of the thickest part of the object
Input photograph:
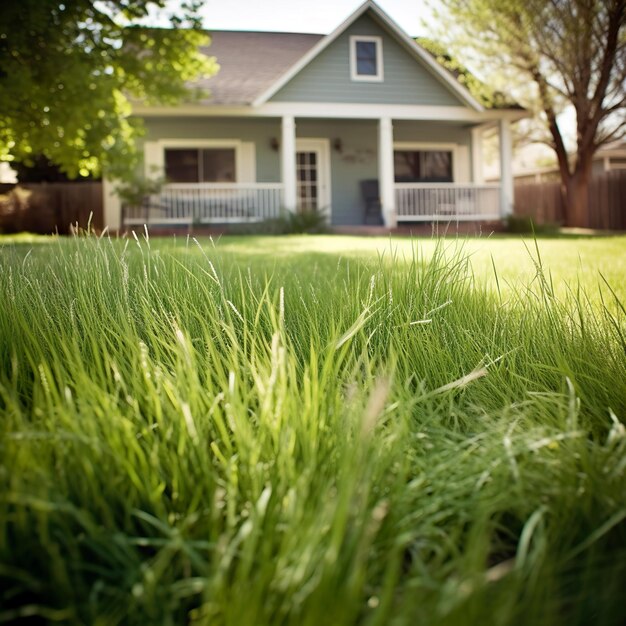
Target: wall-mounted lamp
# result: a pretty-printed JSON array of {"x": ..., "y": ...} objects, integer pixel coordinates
[
  {"x": 338, "y": 144},
  {"x": 274, "y": 144}
]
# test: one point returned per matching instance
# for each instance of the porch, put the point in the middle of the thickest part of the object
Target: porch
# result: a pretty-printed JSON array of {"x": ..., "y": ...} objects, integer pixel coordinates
[{"x": 235, "y": 170}]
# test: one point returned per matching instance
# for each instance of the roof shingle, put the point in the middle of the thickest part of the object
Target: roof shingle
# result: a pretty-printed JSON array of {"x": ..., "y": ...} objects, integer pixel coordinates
[{"x": 250, "y": 62}]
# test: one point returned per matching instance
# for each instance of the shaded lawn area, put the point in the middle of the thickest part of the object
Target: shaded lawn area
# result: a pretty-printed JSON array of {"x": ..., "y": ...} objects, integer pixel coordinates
[{"x": 313, "y": 430}]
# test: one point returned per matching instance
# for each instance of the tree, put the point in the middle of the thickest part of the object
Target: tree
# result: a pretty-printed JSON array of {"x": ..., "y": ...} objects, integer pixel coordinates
[
  {"x": 553, "y": 54},
  {"x": 70, "y": 68}
]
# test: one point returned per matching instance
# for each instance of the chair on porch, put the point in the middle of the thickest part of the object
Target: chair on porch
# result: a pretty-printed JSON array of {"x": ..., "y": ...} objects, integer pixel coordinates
[{"x": 371, "y": 198}]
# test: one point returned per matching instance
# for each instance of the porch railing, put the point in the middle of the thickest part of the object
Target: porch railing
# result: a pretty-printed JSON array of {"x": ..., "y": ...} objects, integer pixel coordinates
[
  {"x": 206, "y": 203},
  {"x": 447, "y": 201}
]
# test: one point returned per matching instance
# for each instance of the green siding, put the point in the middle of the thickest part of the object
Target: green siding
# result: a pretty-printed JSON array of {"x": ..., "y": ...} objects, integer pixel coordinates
[
  {"x": 327, "y": 77},
  {"x": 358, "y": 159},
  {"x": 432, "y": 132},
  {"x": 258, "y": 131}
]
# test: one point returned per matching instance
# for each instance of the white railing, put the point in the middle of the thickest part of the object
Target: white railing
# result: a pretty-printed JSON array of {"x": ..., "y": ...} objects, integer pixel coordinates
[
  {"x": 447, "y": 201},
  {"x": 206, "y": 203}
]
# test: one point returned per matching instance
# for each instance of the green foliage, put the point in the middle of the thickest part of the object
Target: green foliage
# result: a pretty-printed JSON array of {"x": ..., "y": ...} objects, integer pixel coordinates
[
  {"x": 68, "y": 71},
  {"x": 552, "y": 56},
  {"x": 213, "y": 436},
  {"x": 522, "y": 224},
  {"x": 289, "y": 223},
  {"x": 135, "y": 189},
  {"x": 310, "y": 222},
  {"x": 537, "y": 45},
  {"x": 300, "y": 222},
  {"x": 486, "y": 95}
]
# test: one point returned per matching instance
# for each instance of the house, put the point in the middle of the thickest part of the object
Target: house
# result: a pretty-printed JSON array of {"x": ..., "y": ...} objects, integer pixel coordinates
[{"x": 363, "y": 125}]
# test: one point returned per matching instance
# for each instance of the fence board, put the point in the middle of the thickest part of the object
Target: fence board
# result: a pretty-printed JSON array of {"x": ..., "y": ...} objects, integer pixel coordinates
[
  {"x": 50, "y": 207},
  {"x": 543, "y": 202}
]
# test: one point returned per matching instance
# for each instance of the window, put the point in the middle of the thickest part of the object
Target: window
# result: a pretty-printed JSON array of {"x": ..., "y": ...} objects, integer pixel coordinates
[
  {"x": 306, "y": 175},
  {"x": 422, "y": 166},
  {"x": 366, "y": 58},
  {"x": 205, "y": 165}
]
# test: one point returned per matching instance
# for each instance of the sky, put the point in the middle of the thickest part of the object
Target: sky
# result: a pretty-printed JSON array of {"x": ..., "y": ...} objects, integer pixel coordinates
[{"x": 306, "y": 16}]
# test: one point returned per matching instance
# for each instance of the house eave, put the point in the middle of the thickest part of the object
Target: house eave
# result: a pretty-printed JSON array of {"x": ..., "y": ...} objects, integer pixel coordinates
[{"x": 331, "y": 110}]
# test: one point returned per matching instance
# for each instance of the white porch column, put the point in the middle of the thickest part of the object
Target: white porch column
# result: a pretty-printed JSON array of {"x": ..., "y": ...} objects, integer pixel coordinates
[
  {"x": 288, "y": 162},
  {"x": 477, "y": 155},
  {"x": 385, "y": 172},
  {"x": 112, "y": 207},
  {"x": 506, "y": 169}
]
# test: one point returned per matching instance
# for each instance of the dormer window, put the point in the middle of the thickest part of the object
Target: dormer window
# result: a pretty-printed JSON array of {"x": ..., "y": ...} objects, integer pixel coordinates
[{"x": 366, "y": 58}]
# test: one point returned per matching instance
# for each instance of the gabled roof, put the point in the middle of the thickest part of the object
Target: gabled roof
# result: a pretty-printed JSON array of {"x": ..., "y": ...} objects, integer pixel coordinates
[
  {"x": 251, "y": 62},
  {"x": 417, "y": 51},
  {"x": 254, "y": 66}
]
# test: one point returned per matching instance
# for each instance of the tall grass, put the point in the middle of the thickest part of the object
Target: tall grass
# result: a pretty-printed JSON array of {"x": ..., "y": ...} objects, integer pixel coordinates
[{"x": 188, "y": 436}]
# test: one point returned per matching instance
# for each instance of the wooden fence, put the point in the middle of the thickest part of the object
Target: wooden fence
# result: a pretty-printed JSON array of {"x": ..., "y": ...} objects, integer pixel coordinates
[
  {"x": 607, "y": 201},
  {"x": 50, "y": 207}
]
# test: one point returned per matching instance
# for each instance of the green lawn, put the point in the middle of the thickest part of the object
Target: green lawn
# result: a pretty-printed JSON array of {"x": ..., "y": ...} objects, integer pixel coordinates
[
  {"x": 313, "y": 430},
  {"x": 568, "y": 259}
]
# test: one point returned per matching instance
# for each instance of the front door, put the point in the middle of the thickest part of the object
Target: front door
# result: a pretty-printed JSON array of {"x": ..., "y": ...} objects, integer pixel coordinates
[{"x": 313, "y": 175}]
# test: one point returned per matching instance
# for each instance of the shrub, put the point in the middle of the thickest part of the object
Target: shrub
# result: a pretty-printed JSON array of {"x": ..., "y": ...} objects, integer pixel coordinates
[
  {"x": 135, "y": 191},
  {"x": 525, "y": 225},
  {"x": 289, "y": 223}
]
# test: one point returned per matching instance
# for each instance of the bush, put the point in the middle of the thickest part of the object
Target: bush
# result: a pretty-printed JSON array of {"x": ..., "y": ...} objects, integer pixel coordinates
[
  {"x": 525, "y": 225},
  {"x": 305, "y": 222},
  {"x": 137, "y": 190},
  {"x": 302, "y": 222}
]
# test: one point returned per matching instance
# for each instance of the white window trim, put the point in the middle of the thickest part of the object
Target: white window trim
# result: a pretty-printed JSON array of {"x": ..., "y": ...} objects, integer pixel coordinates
[
  {"x": 449, "y": 147},
  {"x": 235, "y": 144},
  {"x": 378, "y": 77}
]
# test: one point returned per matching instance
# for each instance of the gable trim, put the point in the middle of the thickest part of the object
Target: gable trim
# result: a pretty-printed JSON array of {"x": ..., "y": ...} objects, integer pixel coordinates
[{"x": 430, "y": 63}]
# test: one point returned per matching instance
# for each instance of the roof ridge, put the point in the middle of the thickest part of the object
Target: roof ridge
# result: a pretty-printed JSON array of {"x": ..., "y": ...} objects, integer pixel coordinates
[{"x": 261, "y": 32}]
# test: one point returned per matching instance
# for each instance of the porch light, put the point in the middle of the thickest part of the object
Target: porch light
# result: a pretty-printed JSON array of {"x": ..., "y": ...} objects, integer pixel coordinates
[
  {"x": 338, "y": 144},
  {"x": 274, "y": 144}
]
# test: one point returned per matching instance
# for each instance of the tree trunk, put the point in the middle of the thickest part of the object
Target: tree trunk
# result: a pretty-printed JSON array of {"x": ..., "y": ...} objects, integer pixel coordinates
[{"x": 576, "y": 196}]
